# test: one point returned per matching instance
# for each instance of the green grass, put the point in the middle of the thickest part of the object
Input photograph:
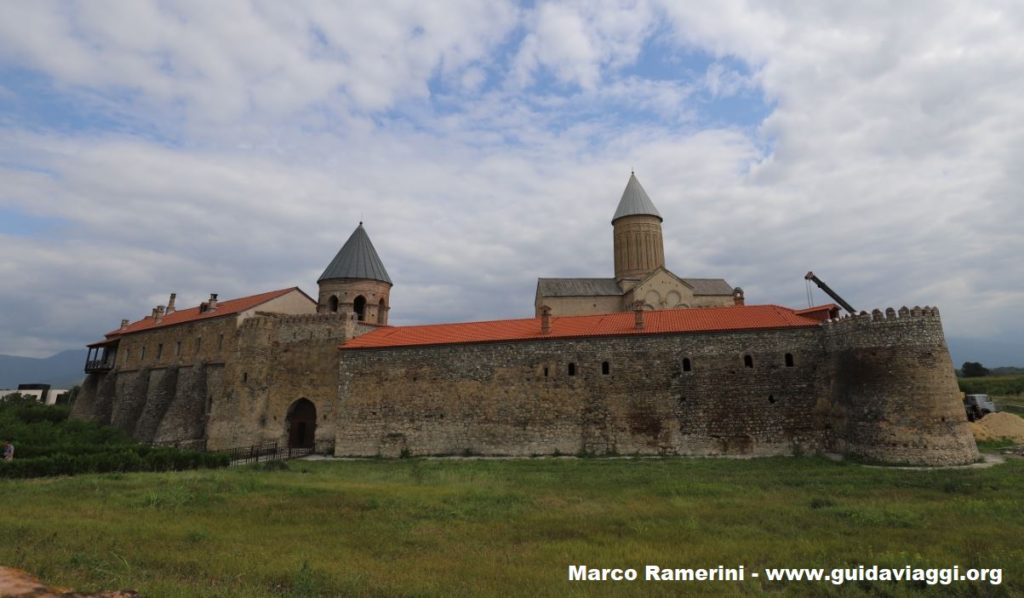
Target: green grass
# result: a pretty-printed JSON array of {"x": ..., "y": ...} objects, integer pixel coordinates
[
  {"x": 993, "y": 385},
  {"x": 417, "y": 527}
]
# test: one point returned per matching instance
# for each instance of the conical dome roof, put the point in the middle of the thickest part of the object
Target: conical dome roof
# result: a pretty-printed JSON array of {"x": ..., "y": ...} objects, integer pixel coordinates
[
  {"x": 356, "y": 259},
  {"x": 635, "y": 201}
]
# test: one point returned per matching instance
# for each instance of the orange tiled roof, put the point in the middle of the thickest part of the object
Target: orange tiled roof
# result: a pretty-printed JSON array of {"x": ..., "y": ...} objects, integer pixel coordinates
[
  {"x": 181, "y": 316},
  {"x": 705, "y": 319}
]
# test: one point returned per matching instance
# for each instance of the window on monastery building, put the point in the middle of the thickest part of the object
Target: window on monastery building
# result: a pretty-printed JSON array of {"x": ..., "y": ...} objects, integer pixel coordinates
[
  {"x": 545, "y": 371},
  {"x": 177, "y": 349},
  {"x": 332, "y": 303},
  {"x": 127, "y": 355},
  {"x": 159, "y": 350},
  {"x": 687, "y": 366},
  {"x": 245, "y": 376},
  {"x": 605, "y": 368},
  {"x": 748, "y": 361},
  {"x": 359, "y": 306},
  {"x": 789, "y": 360},
  {"x": 199, "y": 344},
  {"x": 220, "y": 342},
  {"x": 572, "y": 369},
  {"x": 382, "y": 309},
  {"x": 142, "y": 353}
]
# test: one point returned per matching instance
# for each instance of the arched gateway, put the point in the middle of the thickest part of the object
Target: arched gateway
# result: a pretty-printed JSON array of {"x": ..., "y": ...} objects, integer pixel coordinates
[{"x": 301, "y": 423}]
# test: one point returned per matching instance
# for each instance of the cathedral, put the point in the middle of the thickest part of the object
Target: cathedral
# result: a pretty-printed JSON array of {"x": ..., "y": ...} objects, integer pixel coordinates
[
  {"x": 640, "y": 272},
  {"x": 644, "y": 363}
]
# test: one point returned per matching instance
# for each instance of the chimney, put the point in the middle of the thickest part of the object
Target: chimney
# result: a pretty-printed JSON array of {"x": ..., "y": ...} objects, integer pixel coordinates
[
  {"x": 170, "y": 303},
  {"x": 153, "y": 314},
  {"x": 212, "y": 303},
  {"x": 158, "y": 313},
  {"x": 638, "y": 313},
  {"x": 124, "y": 323},
  {"x": 545, "y": 319},
  {"x": 737, "y": 296}
]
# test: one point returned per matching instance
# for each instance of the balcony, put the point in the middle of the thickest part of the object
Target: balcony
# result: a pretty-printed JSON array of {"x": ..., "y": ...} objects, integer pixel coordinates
[
  {"x": 99, "y": 365},
  {"x": 101, "y": 357}
]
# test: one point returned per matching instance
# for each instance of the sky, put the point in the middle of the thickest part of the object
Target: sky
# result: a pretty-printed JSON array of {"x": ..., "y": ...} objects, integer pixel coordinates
[{"x": 233, "y": 146}]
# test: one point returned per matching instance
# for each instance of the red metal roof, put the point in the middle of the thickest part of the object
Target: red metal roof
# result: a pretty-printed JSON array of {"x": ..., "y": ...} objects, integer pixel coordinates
[
  {"x": 192, "y": 314},
  {"x": 703, "y": 319}
]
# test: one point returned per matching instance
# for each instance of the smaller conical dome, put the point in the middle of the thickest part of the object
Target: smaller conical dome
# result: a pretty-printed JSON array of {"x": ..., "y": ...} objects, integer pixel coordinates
[
  {"x": 635, "y": 201},
  {"x": 356, "y": 259}
]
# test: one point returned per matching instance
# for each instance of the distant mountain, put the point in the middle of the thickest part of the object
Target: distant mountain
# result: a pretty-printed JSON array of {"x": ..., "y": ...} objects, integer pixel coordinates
[
  {"x": 62, "y": 370},
  {"x": 990, "y": 353}
]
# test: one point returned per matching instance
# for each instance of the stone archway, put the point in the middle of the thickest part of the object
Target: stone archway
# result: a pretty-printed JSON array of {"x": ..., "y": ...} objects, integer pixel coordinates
[{"x": 301, "y": 424}]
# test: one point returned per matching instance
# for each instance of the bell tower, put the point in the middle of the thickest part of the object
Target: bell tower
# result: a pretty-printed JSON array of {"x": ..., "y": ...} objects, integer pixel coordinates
[
  {"x": 356, "y": 282},
  {"x": 639, "y": 247}
]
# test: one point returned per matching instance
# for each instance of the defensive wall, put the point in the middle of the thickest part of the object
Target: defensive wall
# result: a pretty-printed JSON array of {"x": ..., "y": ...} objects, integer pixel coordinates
[
  {"x": 265, "y": 364},
  {"x": 878, "y": 387}
]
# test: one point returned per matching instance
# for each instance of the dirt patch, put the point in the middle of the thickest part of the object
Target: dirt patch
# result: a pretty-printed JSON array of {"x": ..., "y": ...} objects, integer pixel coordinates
[
  {"x": 996, "y": 426},
  {"x": 15, "y": 582}
]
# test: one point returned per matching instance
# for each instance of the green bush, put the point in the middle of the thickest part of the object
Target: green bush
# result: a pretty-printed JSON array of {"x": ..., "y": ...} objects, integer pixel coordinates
[
  {"x": 111, "y": 461},
  {"x": 47, "y": 443}
]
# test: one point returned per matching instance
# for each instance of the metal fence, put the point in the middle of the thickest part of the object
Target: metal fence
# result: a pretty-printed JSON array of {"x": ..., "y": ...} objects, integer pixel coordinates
[{"x": 259, "y": 453}]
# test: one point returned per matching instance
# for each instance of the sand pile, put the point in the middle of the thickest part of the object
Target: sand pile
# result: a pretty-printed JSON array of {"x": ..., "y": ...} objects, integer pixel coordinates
[
  {"x": 995, "y": 426},
  {"x": 15, "y": 582}
]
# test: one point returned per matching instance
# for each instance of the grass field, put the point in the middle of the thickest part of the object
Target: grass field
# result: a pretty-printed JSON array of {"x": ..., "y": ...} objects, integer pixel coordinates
[
  {"x": 994, "y": 385},
  {"x": 469, "y": 527}
]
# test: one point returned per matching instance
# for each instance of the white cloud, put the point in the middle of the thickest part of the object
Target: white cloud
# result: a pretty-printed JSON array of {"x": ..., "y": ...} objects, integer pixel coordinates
[{"x": 888, "y": 162}]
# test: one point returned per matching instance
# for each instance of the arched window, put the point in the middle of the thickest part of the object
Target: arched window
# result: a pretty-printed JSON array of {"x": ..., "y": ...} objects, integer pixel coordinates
[
  {"x": 382, "y": 312},
  {"x": 332, "y": 304},
  {"x": 687, "y": 366},
  {"x": 789, "y": 360},
  {"x": 359, "y": 306},
  {"x": 748, "y": 361}
]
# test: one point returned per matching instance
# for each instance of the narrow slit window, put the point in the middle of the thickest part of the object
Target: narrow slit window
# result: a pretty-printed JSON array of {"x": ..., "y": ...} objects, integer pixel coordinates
[
  {"x": 687, "y": 366},
  {"x": 245, "y": 376},
  {"x": 789, "y": 360},
  {"x": 748, "y": 361},
  {"x": 572, "y": 369},
  {"x": 199, "y": 344},
  {"x": 545, "y": 371},
  {"x": 220, "y": 342},
  {"x": 605, "y": 368},
  {"x": 177, "y": 348},
  {"x": 159, "y": 350}
]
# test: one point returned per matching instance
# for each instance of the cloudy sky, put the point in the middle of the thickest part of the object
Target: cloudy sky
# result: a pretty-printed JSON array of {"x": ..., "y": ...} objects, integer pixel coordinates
[{"x": 233, "y": 146}]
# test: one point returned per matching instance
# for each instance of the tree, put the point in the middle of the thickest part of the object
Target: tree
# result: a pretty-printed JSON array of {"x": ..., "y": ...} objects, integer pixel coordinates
[{"x": 973, "y": 369}]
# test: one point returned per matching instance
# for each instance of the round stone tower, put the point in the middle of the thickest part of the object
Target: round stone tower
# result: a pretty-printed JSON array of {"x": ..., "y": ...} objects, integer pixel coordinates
[
  {"x": 895, "y": 396},
  {"x": 356, "y": 282},
  {"x": 639, "y": 248}
]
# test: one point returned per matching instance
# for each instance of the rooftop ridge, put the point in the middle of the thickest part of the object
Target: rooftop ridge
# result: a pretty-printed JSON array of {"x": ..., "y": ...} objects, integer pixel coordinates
[
  {"x": 187, "y": 315},
  {"x": 691, "y": 320}
]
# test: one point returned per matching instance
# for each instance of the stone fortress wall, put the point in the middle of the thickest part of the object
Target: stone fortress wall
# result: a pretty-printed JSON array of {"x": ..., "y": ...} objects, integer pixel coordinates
[{"x": 879, "y": 388}]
